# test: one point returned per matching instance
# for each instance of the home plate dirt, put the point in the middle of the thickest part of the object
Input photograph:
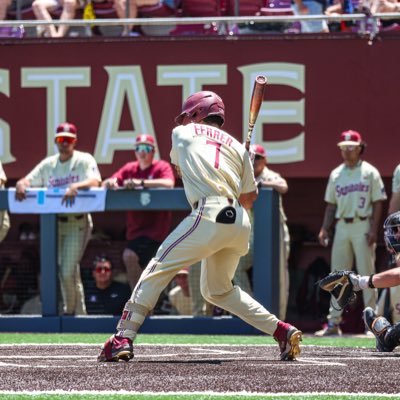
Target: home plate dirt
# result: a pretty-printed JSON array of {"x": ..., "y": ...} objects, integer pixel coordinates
[{"x": 194, "y": 368}]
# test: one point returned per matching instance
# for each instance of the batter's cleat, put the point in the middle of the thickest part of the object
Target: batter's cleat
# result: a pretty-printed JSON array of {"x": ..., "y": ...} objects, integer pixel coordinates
[
  {"x": 116, "y": 348},
  {"x": 290, "y": 346},
  {"x": 330, "y": 329},
  {"x": 381, "y": 328}
]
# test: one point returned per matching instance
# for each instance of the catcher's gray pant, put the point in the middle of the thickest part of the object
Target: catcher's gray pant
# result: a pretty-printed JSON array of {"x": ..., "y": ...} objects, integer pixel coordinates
[
  {"x": 73, "y": 236},
  {"x": 219, "y": 246},
  {"x": 349, "y": 242}
]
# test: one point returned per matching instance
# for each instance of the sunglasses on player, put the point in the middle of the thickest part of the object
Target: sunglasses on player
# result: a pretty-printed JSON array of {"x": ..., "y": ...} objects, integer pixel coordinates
[
  {"x": 65, "y": 139},
  {"x": 146, "y": 148},
  {"x": 348, "y": 147}
]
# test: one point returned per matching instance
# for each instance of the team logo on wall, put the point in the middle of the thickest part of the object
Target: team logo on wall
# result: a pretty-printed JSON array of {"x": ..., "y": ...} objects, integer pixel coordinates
[{"x": 145, "y": 198}]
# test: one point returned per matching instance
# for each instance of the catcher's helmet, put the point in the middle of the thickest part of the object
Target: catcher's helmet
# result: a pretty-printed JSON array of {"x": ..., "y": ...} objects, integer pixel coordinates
[
  {"x": 391, "y": 230},
  {"x": 199, "y": 106}
]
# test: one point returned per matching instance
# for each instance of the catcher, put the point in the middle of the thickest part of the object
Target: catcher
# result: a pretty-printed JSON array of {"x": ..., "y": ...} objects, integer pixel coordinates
[{"x": 343, "y": 284}]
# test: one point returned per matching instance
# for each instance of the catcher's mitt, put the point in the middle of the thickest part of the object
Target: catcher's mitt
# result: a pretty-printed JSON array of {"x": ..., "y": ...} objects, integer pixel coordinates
[{"x": 340, "y": 286}]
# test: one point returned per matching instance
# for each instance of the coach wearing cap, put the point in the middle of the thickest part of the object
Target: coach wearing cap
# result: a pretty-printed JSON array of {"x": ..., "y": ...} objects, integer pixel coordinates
[
  {"x": 145, "y": 230},
  {"x": 354, "y": 197},
  {"x": 71, "y": 170}
]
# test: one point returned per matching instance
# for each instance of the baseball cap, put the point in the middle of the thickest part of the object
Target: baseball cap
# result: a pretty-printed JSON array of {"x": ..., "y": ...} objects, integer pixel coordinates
[
  {"x": 258, "y": 150},
  {"x": 66, "y": 129},
  {"x": 145, "y": 139},
  {"x": 350, "y": 138},
  {"x": 183, "y": 271}
]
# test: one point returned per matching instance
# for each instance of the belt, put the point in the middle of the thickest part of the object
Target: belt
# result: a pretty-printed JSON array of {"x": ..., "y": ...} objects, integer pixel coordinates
[
  {"x": 66, "y": 219},
  {"x": 351, "y": 220},
  {"x": 216, "y": 199}
]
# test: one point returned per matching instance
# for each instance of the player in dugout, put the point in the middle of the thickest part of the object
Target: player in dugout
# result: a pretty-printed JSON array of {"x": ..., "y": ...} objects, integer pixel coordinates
[
  {"x": 218, "y": 179},
  {"x": 72, "y": 170}
]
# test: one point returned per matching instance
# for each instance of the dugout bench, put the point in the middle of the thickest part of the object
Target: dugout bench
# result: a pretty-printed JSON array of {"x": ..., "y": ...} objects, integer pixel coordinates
[{"x": 265, "y": 271}]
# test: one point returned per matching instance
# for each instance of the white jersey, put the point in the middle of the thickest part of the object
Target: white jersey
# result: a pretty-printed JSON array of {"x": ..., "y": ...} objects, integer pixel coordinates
[
  {"x": 269, "y": 175},
  {"x": 396, "y": 180},
  {"x": 3, "y": 178},
  {"x": 353, "y": 190},
  {"x": 212, "y": 162},
  {"x": 52, "y": 173}
]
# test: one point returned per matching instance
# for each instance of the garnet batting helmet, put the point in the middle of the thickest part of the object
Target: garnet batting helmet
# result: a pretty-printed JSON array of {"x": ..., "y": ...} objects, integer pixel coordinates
[
  {"x": 199, "y": 106},
  {"x": 391, "y": 231}
]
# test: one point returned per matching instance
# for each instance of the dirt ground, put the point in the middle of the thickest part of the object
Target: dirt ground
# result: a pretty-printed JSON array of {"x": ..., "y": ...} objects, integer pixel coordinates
[{"x": 199, "y": 368}]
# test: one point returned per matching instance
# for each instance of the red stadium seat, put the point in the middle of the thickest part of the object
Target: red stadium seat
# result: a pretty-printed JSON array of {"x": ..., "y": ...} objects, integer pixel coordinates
[
  {"x": 246, "y": 7},
  {"x": 201, "y": 8},
  {"x": 157, "y": 11},
  {"x": 198, "y": 8},
  {"x": 276, "y": 7}
]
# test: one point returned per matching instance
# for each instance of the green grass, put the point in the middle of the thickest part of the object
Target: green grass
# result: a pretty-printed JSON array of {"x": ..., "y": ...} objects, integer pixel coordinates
[
  {"x": 60, "y": 338},
  {"x": 191, "y": 397}
]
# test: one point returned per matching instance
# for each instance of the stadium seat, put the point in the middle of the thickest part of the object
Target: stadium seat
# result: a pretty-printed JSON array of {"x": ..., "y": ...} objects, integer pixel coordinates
[
  {"x": 198, "y": 8},
  {"x": 276, "y": 7},
  {"x": 246, "y": 7}
]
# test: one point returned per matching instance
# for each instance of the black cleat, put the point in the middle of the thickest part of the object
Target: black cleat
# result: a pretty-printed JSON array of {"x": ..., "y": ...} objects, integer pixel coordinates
[{"x": 380, "y": 327}]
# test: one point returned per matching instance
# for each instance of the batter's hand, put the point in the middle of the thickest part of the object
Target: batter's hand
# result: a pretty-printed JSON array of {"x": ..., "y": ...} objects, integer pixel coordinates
[{"x": 69, "y": 196}]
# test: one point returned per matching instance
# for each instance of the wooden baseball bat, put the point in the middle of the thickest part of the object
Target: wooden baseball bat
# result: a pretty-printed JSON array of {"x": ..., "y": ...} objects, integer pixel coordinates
[{"x": 255, "y": 104}]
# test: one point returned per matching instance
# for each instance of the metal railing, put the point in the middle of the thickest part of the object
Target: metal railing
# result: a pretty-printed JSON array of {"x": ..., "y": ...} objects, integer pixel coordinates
[{"x": 205, "y": 20}]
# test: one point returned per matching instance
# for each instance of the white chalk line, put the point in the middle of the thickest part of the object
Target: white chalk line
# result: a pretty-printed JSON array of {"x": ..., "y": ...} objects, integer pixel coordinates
[{"x": 198, "y": 393}]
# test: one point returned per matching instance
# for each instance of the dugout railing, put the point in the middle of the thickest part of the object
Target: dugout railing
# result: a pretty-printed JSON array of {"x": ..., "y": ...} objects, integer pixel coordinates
[{"x": 265, "y": 271}]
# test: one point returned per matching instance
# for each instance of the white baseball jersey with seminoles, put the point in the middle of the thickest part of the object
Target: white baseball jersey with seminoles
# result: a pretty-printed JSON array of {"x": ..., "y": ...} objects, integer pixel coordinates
[
  {"x": 3, "y": 177},
  {"x": 212, "y": 162},
  {"x": 396, "y": 180},
  {"x": 51, "y": 172},
  {"x": 353, "y": 190}
]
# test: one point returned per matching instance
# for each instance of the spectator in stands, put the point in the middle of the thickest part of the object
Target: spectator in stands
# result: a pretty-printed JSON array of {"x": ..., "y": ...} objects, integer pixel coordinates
[
  {"x": 311, "y": 7},
  {"x": 179, "y": 296},
  {"x": 265, "y": 177},
  {"x": 104, "y": 295},
  {"x": 42, "y": 10},
  {"x": 132, "y": 11},
  {"x": 145, "y": 230},
  {"x": 4, "y": 4}
]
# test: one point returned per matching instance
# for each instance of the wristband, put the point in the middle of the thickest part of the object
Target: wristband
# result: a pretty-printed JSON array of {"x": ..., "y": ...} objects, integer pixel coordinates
[
  {"x": 370, "y": 284},
  {"x": 142, "y": 182}
]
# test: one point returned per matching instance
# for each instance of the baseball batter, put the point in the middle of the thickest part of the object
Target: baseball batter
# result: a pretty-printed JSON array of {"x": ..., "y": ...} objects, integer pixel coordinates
[
  {"x": 73, "y": 170},
  {"x": 219, "y": 184},
  {"x": 354, "y": 197}
]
